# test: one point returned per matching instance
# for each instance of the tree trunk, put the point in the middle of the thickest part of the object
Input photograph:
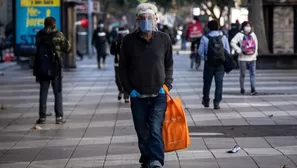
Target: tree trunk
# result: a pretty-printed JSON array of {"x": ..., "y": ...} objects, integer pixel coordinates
[
  {"x": 229, "y": 14},
  {"x": 257, "y": 19}
]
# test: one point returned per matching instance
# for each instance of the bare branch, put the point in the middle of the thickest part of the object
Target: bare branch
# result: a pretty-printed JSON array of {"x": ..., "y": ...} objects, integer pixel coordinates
[
  {"x": 210, "y": 8},
  {"x": 222, "y": 9}
]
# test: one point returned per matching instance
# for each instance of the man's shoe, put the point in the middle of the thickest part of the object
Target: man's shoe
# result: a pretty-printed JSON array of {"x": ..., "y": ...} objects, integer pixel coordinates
[
  {"x": 127, "y": 100},
  {"x": 143, "y": 166},
  {"x": 216, "y": 105},
  {"x": 99, "y": 66},
  {"x": 59, "y": 120},
  {"x": 242, "y": 91},
  {"x": 205, "y": 103},
  {"x": 120, "y": 96},
  {"x": 40, "y": 121},
  {"x": 254, "y": 92}
]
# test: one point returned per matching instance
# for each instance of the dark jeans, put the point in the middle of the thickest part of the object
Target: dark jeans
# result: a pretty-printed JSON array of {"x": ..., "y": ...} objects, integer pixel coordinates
[
  {"x": 119, "y": 84},
  {"x": 100, "y": 56},
  {"x": 148, "y": 116},
  {"x": 208, "y": 74},
  {"x": 57, "y": 89}
]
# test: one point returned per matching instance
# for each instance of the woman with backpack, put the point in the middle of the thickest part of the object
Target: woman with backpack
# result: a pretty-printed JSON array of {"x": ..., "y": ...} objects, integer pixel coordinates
[
  {"x": 245, "y": 43},
  {"x": 115, "y": 50}
]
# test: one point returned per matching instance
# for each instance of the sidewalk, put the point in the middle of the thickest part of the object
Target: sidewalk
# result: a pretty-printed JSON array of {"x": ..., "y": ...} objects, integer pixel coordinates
[
  {"x": 99, "y": 130},
  {"x": 7, "y": 65}
]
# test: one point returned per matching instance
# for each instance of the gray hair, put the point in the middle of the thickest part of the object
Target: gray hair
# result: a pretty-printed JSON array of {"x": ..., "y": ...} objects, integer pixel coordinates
[{"x": 146, "y": 7}]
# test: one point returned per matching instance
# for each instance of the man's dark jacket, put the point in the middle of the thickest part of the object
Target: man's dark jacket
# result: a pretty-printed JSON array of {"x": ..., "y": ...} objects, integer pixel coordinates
[
  {"x": 146, "y": 65},
  {"x": 99, "y": 40}
]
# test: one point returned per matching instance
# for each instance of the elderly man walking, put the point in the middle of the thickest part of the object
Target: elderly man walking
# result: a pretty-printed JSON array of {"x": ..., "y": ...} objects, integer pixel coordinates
[{"x": 146, "y": 64}]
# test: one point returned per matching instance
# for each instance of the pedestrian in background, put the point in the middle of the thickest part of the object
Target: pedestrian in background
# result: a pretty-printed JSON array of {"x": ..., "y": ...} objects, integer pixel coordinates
[
  {"x": 115, "y": 49},
  {"x": 245, "y": 44},
  {"x": 146, "y": 64},
  {"x": 50, "y": 45},
  {"x": 99, "y": 40},
  {"x": 214, "y": 48}
]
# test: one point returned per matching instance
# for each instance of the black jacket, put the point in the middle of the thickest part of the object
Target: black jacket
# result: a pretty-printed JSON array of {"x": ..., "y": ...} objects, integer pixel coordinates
[
  {"x": 115, "y": 49},
  {"x": 99, "y": 40},
  {"x": 146, "y": 65}
]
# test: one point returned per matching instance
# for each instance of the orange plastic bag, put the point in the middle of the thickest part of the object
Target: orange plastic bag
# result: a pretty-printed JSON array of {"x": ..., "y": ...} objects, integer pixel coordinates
[{"x": 175, "y": 130}]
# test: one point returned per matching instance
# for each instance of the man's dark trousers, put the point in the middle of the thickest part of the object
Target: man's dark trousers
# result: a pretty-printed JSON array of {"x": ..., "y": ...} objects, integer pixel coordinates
[
  {"x": 101, "y": 55},
  {"x": 208, "y": 73},
  {"x": 119, "y": 84},
  {"x": 57, "y": 89},
  {"x": 148, "y": 116}
]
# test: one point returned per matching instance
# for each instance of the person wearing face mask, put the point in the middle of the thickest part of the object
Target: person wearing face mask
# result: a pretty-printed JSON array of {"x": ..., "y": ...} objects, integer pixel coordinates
[
  {"x": 245, "y": 43},
  {"x": 99, "y": 40},
  {"x": 146, "y": 64},
  {"x": 115, "y": 49}
]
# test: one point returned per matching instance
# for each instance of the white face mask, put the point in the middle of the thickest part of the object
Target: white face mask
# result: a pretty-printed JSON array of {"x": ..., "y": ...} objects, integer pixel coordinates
[{"x": 247, "y": 29}]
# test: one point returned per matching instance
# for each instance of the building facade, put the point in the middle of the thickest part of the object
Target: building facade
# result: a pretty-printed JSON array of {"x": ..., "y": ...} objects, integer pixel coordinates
[
  {"x": 6, "y": 12},
  {"x": 281, "y": 26}
]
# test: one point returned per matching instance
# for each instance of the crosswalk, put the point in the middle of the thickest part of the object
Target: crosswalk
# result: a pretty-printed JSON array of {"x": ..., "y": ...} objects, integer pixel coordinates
[{"x": 99, "y": 131}]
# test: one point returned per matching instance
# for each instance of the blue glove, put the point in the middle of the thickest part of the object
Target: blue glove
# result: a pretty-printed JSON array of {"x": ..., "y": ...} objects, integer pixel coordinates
[
  {"x": 162, "y": 91},
  {"x": 134, "y": 94}
]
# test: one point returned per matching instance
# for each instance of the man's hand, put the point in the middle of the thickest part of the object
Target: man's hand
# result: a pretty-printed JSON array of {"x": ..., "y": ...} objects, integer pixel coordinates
[
  {"x": 162, "y": 91},
  {"x": 134, "y": 94},
  {"x": 167, "y": 87}
]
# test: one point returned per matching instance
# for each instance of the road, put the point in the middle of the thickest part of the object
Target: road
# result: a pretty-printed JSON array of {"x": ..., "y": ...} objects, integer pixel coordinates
[{"x": 99, "y": 130}]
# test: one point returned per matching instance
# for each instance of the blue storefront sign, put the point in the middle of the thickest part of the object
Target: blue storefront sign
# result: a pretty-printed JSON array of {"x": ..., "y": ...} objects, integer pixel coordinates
[{"x": 29, "y": 18}]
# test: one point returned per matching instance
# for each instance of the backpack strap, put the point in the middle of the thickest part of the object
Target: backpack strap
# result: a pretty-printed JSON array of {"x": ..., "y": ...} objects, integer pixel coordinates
[{"x": 208, "y": 36}]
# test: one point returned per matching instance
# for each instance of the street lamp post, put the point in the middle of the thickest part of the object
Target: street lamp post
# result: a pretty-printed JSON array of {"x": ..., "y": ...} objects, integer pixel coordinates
[{"x": 90, "y": 23}]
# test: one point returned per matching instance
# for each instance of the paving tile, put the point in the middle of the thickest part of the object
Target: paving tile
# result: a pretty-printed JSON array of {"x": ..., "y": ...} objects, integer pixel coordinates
[
  {"x": 194, "y": 154},
  {"x": 260, "y": 121},
  {"x": 205, "y": 163},
  {"x": 222, "y": 153},
  {"x": 262, "y": 151},
  {"x": 239, "y": 121},
  {"x": 90, "y": 150},
  {"x": 97, "y": 124},
  {"x": 105, "y": 131},
  {"x": 14, "y": 165},
  {"x": 85, "y": 163},
  {"x": 293, "y": 158},
  {"x": 57, "y": 163},
  {"x": 63, "y": 142},
  {"x": 6, "y": 145},
  {"x": 282, "y": 141},
  {"x": 254, "y": 114},
  {"x": 115, "y": 149},
  {"x": 214, "y": 122},
  {"x": 287, "y": 150},
  {"x": 20, "y": 155},
  {"x": 255, "y": 142},
  {"x": 287, "y": 120},
  {"x": 219, "y": 143},
  {"x": 52, "y": 153},
  {"x": 30, "y": 144},
  {"x": 197, "y": 144},
  {"x": 242, "y": 162},
  {"x": 273, "y": 161}
]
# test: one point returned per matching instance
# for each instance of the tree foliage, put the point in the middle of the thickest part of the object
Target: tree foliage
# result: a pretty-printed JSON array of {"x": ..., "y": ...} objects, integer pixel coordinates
[{"x": 210, "y": 5}]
